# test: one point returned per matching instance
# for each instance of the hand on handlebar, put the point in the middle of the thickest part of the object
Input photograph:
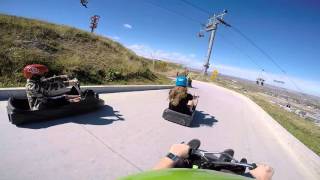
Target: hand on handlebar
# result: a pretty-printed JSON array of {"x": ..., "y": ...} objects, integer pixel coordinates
[
  {"x": 195, "y": 96},
  {"x": 63, "y": 76},
  {"x": 262, "y": 172},
  {"x": 73, "y": 98},
  {"x": 72, "y": 82},
  {"x": 181, "y": 150}
]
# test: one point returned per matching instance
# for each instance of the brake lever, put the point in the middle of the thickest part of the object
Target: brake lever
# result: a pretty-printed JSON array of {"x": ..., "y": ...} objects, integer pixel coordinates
[
  {"x": 253, "y": 166},
  {"x": 199, "y": 153},
  {"x": 236, "y": 162}
]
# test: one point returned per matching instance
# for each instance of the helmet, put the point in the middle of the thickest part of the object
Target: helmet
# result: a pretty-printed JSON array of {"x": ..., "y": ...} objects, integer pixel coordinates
[
  {"x": 33, "y": 70},
  {"x": 181, "y": 81}
]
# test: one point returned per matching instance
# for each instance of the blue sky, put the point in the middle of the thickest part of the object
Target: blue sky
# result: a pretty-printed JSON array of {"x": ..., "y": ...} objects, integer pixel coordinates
[{"x": 287, "y": 29}]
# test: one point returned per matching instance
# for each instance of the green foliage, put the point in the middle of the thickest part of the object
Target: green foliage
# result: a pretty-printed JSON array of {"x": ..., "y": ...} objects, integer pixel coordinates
[
  {"x": 65, "y": 50},
  {"x": 113, "y": 75},
  {"x": 304, "y": 130},
  {"x": 161, "y": 66}
]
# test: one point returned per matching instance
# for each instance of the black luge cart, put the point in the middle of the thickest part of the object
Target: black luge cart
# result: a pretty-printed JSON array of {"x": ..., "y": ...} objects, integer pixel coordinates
[
  {"x": 179, "y": 118},
  {"x": 19, "y": 111}
]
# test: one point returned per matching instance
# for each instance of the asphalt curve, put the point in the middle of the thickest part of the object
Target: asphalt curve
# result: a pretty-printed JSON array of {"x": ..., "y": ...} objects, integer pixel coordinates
[{"x": 129, "y": 135}]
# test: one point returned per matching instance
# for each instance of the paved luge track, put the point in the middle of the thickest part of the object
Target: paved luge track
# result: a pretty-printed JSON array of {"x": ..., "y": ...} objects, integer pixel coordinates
[{"x": 132, "y": 136}]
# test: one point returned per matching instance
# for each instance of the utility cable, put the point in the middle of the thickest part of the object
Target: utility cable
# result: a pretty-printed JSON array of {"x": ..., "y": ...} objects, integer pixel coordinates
[
  {"x": 175, "y": 12},
  {"x": 267, "y": 55},
  {"x": 240, "y": 50},
  {"x": 236, "y": 30},
  {"x": 196, "y": 7},
  {"x": 260, "y": 49},
  {"x": 248, "y": 56}
]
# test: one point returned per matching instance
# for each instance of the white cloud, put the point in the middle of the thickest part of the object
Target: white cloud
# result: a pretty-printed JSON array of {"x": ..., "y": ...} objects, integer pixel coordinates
[
  {"x": 110, "y": 36},
  {"x": 308, "y": 86},
  {"x": 190, "y": 60},
  {"x": 115, "y": 37},
  {"x": 128, "y": 26},
  {"x": 192, "y": 55},
  {"x": 146, "y": 51}
]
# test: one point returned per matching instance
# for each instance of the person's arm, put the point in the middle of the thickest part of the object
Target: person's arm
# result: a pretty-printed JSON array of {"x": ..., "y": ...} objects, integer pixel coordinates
[
  {"x": 72, "y": 82},
  {"x": 262, "y": 172},
  {"x": 192, "y": 101},
  {"x": 180, "y": 150},
  {"x": 54, "y": 78},
  {"x": 164, "y": 163}
]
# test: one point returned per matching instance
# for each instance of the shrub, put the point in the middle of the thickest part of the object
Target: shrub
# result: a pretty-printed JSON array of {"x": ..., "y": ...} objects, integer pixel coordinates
[{"x": 113, "y": 75}]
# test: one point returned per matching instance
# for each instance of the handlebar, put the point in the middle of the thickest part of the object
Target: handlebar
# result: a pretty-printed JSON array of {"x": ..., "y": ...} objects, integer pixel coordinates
[
  {"x": 216, "y": 160},
  {"x": 206, "y": 156}
]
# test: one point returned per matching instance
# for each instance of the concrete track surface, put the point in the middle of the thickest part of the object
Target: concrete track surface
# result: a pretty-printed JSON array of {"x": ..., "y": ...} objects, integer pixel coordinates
[{"x": 129, "y": 136}]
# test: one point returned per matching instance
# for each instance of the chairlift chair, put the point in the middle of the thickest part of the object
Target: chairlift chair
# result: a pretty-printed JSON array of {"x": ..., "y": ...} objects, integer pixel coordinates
[
  {"x": 260, "y": 81},
  {"x": 200, "y": 34},
  {"x": 84, "y": 3}
]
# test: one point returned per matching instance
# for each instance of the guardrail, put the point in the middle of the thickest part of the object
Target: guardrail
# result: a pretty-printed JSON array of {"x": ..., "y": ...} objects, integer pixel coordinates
[{"x": 5, "y": 93}]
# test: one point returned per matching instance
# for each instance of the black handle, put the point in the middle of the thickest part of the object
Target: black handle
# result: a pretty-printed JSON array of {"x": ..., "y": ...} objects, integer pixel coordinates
[
  {"x": 194, "y": 143},
  {"x": 253, "y": 166}
]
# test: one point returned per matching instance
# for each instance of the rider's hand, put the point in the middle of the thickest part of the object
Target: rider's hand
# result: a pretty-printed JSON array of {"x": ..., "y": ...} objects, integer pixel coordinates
[
  {"x": 72, "y": 82},
  {"x": 64, "y": 76},
  {"x": 181, "y": 150},
  {"x": 262, "y": 172},
  {"x": 73, "y": 100}
]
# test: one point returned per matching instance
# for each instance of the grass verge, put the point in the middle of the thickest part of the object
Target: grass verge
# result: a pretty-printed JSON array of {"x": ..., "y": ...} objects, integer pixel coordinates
[
  {"x": 304, "y": 130},
  {"x": 91, "y": 58}
]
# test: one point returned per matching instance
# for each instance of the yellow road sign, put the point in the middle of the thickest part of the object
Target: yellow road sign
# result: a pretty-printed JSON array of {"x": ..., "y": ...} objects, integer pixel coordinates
[{"x": 214, "y": 75}]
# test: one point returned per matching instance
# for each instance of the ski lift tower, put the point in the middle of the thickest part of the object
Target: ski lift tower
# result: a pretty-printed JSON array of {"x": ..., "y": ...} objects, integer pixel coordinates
[
  {"x": 212, "y": 26},
  {"x": 94, "y": 22}
]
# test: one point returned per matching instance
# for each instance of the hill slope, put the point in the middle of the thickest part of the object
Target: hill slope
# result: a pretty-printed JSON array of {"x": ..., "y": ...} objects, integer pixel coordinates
[{"x": 65, "y": 50}]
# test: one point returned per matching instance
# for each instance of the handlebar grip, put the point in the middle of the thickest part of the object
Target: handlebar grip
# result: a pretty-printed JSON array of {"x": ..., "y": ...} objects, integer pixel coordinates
[
  {"x": 194, "y": 143},
  {"x": 253, "y": 166}
]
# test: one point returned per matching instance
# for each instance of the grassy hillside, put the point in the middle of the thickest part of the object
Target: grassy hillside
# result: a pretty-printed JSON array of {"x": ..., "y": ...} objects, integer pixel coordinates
[
  {"x": 303, "y": 129},
  {"x": 65, "y": 50}
]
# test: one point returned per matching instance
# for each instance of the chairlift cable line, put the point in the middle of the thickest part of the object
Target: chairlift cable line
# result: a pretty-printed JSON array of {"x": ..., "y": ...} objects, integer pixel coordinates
[
  {"x": 268, "y": 57},
  {"x": 260, "y": 49},
  {"x": 260, "y": 67},
  {"x": 236, "y": 30},
  {"x": 175, "y": 12},
  {"x": 196, "y": 7},
  {"x": 251, "y": 42},
  {"x": 241, "y": 50}
]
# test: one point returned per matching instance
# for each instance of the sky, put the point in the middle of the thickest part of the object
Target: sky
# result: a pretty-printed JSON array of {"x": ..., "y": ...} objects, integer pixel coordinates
[{"x": 287, "y": 30}]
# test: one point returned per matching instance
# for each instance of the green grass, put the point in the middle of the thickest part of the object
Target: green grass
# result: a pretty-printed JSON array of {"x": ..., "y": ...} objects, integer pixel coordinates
[
  {"x": 65, "y": 50},
  {"x": 304, "y": 130}
]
